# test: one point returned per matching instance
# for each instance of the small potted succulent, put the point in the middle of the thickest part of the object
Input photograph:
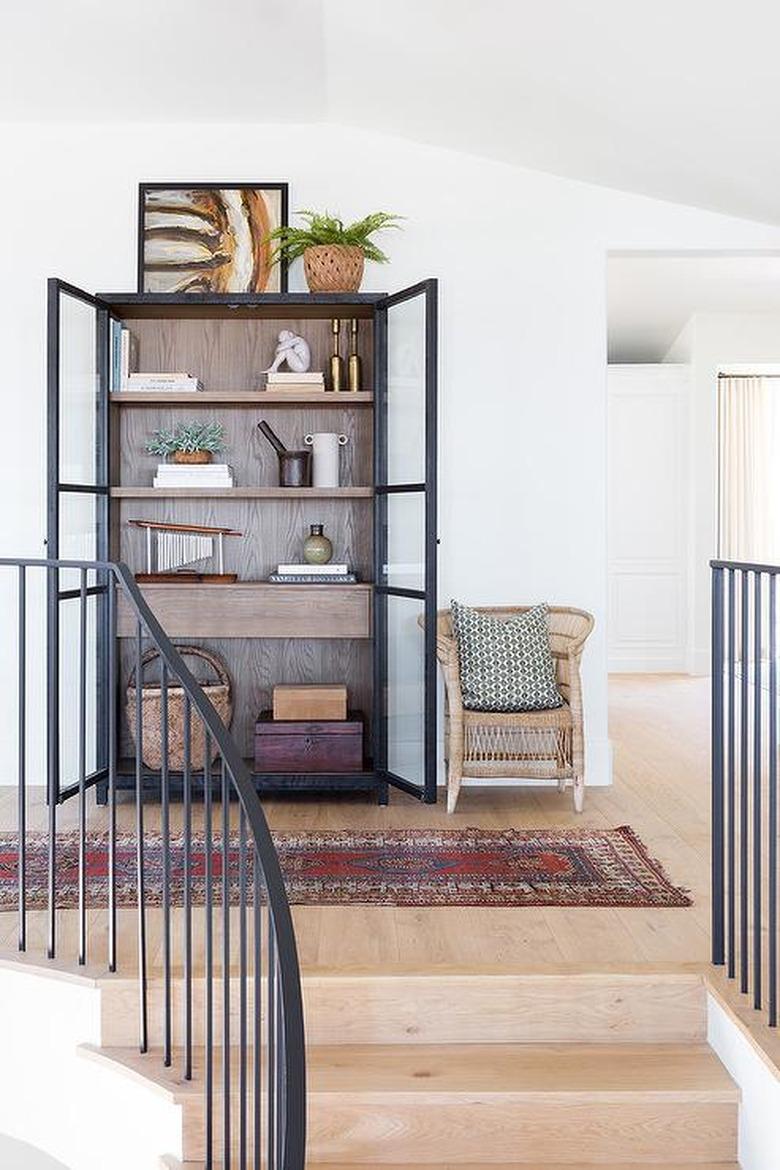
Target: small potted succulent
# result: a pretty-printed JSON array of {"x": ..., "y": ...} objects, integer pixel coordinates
[
  {"x": 192, "y": 442},
  {"x": 333, "y": 253}
]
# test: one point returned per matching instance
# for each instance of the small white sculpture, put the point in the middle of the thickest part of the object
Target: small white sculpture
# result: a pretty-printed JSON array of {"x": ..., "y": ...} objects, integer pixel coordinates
[{"x": 294, "y": 351}]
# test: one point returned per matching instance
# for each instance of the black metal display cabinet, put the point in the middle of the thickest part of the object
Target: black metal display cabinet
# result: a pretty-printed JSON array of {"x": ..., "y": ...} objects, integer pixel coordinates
[{"x": 384, "y": 515}]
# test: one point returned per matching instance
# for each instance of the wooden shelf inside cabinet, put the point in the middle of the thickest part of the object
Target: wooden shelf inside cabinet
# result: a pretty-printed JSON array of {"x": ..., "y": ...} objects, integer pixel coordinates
[
  {"x": 242, "y": 493},
  {"x": 249, "y": 398},
  {"x": 256, "y": 609}
]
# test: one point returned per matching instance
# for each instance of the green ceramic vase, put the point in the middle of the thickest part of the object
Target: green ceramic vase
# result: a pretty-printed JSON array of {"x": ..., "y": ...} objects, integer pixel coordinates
[{"x": 317, "y": 549}]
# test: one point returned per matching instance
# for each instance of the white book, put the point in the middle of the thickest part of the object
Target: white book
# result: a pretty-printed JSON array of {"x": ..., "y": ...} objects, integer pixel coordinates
[
  {"x": 128, "y": 355},
  {"x": 312, "y": 378},
  {"x": 163, "y": 388},
  {"x": 146, "y": 376},
  {"x": 205, "y": 469},
  {"x": 329, "y": 570},
  {"x": 193, "y": 481},
  {"x": 172, "y": 386},
  {"x": 212, "y": 487}
]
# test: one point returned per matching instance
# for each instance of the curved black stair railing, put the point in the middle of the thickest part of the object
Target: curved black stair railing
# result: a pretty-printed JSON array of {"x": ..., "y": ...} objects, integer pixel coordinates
[{"x": 256, "y": 1102}]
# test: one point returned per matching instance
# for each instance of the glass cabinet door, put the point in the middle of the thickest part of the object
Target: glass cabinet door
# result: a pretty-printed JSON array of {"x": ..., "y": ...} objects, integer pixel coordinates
[
  {"x": 77, "y": 530},
  {"x": 405, "y": 540}
]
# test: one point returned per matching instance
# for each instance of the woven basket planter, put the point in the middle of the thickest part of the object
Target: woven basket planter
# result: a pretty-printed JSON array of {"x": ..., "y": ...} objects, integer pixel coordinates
[
  {"x": 219, "y": 692},
  {"x": 333, "y": 268},
  {"x": 192, "y": 457}
]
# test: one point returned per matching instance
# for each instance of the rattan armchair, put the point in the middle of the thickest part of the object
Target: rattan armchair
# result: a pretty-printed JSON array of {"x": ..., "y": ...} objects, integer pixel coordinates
[{"x": 539, "y": 744}]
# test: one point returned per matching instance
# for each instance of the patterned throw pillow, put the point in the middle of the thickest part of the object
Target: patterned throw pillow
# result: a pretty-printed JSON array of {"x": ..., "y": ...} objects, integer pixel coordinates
[{"x": 505, "y": 664}]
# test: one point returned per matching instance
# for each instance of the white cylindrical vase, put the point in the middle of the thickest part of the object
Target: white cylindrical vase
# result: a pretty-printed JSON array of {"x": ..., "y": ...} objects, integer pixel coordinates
[{"x": 325, "y": 450}]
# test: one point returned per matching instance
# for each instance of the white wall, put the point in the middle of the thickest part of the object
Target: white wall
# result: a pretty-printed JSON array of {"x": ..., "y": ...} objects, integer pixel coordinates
[
  {"x": 759, "y": 1136},
  {"x": 68, "y": 1106},
  {"x": 647, "y": 526},
  {"x": 522, "y": 262},
  {"x": 23, "y": 1156},
  {"x": 709, "y": 342}
]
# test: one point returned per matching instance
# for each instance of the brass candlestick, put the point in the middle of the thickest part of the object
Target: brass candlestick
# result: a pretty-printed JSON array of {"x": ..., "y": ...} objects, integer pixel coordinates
[
  {"x": 354, "y": 372},
  {"x": 336, "y": 360}
]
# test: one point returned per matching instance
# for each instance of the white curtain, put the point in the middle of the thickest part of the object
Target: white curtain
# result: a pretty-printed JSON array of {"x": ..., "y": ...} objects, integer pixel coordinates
[{"x": 749, "y": 469}]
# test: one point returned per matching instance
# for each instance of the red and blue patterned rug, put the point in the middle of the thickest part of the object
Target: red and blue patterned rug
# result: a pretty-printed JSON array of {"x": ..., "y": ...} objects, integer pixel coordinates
[{"x": 412, "y": 867}]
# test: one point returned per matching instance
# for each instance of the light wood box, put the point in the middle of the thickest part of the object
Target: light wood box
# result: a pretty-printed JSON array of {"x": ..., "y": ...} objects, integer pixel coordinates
[{"x": 310, "y": 702}]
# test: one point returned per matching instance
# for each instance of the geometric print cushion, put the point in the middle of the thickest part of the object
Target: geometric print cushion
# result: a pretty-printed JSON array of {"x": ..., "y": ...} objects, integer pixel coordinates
[{"x": 506, "y": 664}]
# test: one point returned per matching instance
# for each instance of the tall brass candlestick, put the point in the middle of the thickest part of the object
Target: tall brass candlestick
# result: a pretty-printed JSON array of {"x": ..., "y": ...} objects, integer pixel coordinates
[
  {"x": 336, "y": 360},
  {"x": 354, "y": 372}
]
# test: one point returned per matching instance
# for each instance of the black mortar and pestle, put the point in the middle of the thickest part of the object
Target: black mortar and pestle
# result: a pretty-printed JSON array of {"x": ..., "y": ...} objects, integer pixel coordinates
[{"x": 294, "y": 466}]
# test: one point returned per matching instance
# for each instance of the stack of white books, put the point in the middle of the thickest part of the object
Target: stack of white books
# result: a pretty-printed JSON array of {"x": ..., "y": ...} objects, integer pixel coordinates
[
  {"x": 292, "y": 383},
  {"x": 173, "y": 383},
  {"x": 200, "y": 475},
  {"x": 313, "y": 575}
]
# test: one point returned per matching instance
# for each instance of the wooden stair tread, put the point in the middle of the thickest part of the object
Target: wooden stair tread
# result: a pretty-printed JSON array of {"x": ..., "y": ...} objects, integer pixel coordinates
[
  {"x": 364, "y": 1072},
  {"x": 171, "y": 1165}
]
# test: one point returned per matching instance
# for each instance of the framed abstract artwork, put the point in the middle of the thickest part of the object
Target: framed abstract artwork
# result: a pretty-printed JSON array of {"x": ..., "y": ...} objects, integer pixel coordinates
[{"x": 210, "y": 237}]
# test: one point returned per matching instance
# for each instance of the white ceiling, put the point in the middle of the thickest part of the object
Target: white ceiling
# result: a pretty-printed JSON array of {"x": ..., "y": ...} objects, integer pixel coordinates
[
  {"x": 677, "y": 99},
  {"x": 650, "y": 299}
]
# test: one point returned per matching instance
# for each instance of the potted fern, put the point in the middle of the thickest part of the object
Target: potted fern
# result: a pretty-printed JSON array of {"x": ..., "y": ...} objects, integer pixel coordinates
[
  {"x": 333, "y": 253},
  {"x": 191, "y": 442}
]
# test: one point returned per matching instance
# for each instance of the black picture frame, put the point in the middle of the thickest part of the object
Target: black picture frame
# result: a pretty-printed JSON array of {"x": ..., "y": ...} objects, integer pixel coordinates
[{"x": 145, "y": 188}]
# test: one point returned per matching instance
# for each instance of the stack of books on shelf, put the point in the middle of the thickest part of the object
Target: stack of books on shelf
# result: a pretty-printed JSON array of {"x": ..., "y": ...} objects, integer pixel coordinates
[
  {"x": 172, "y": 383},
  {"x": 313, "y": 575},
  {"x": 124, "y": 356},
  {"x": 295, "y": 383},
  {"x": 190, "y": 475}
]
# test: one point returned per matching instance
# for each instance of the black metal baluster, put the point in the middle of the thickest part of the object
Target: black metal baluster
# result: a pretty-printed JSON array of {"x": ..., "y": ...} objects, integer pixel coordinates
[
  {"x": 743, "y": 783},
  {"x": 772, "y": 813},
  {"x": 243, "y": 975},
  {"x": 22, "y": 760},
  {"x": 270, "y": 1034},
  {"x": 139, "y": 845},
  {"x": 82, "y": 758},
  {"x": 187, "y": 780},
  {"x": 731, "y": 774},
  {"x": 53, "y": 758},
  {"x": 257, "y": 918},
  {"x": 757, "y": 795},
  {"x": 226, "y": 1135},
  {"x": 281, "y": 1079},
  {"x": 112, "y": 761},
  {"x": 209, "y": 989},
  {"x": 165, "y": 821},
  {"x": 717, "y": 769}
]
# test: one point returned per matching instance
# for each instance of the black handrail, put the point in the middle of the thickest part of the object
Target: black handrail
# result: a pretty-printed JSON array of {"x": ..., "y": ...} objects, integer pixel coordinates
[
  {"x": 745, "y": 825},
  {"x": 283, "y": 1084}
]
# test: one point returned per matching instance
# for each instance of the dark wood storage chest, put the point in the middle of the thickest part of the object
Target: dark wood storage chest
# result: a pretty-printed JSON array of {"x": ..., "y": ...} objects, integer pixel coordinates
[{"x": 303, "y": 746}]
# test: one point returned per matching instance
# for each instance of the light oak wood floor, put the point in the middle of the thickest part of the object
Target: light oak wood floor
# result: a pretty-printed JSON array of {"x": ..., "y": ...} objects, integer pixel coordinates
[{"x": 659, "y": 729}]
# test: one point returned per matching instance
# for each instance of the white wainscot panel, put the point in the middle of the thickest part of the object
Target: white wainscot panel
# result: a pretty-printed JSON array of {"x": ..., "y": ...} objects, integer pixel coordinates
[{"x": 647, "y": 517}]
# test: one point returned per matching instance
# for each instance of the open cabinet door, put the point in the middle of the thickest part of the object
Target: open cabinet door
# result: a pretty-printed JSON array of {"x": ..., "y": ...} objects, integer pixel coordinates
[
  {"x": 77, "y": 524},
  {"x": 405, "y": 540}
]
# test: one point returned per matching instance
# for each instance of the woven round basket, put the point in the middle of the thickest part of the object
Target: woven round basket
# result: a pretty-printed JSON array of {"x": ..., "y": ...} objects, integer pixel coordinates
[
  {"x": 333, "y": 267},
  {"x": 220, "y": 693}
]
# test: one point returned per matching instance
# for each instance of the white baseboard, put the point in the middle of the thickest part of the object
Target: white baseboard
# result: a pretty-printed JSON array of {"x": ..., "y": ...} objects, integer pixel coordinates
[{"x": 663, "y": 664}]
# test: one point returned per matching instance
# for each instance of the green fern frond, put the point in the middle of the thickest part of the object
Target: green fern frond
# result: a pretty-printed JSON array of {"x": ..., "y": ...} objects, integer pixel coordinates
[{"x": 322, "y": 227}]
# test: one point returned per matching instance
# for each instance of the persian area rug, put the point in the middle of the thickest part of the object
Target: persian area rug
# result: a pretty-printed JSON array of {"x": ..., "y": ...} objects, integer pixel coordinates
[{"x": 412, "y": 867}]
